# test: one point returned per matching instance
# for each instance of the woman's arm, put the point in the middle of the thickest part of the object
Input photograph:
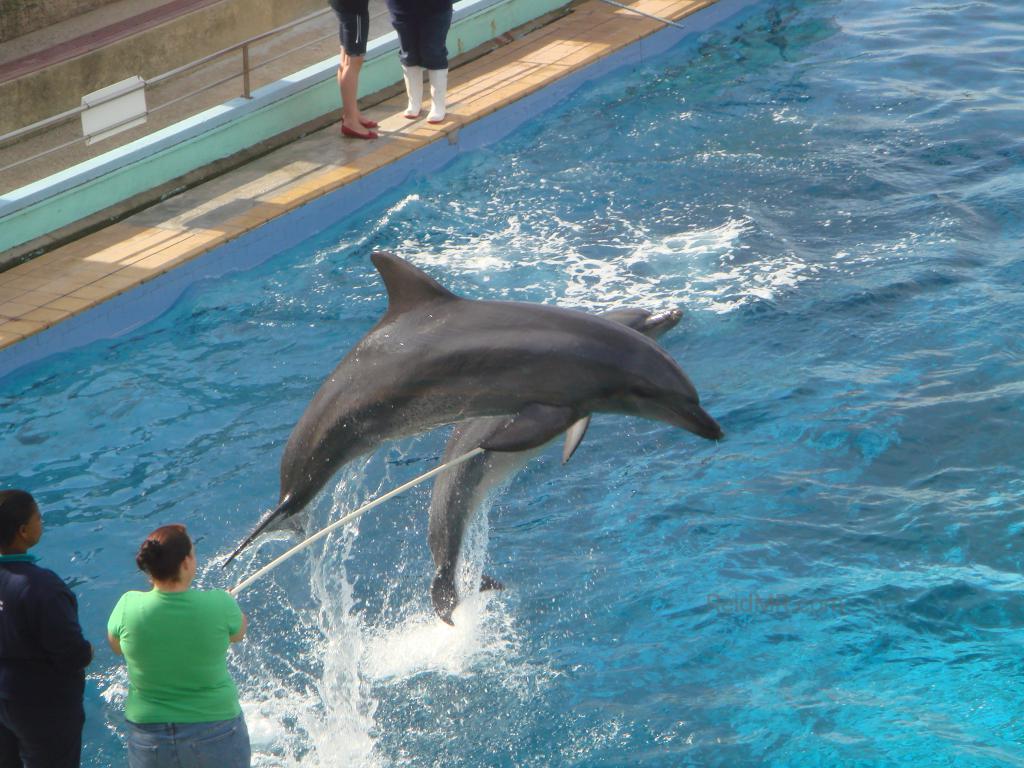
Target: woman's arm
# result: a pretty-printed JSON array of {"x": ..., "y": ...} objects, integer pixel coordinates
[{"x": 240, "y": 633}]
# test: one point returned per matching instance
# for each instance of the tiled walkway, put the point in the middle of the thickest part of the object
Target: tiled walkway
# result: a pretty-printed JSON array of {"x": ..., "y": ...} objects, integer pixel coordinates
[{"x": 68, "y": 280}]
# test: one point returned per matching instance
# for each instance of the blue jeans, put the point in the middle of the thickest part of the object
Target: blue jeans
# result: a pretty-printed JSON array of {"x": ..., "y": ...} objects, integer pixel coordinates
[{"x": 223, "y": 744}]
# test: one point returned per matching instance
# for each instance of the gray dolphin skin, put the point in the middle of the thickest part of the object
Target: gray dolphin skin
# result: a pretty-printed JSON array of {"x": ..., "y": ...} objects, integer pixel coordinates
[
  {"x": 460, "y": 492},
  {"x": 435, "y": 358}
]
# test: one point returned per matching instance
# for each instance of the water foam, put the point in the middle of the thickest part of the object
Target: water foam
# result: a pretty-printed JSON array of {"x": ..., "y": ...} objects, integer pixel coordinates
[
  {"x": 721, "y": 275},
  {"x": 320, "y": 709}
]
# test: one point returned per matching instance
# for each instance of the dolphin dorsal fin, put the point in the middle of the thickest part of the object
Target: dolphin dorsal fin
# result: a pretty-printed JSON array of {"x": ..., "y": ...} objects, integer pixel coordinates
[{"x": 406, "y": 285}]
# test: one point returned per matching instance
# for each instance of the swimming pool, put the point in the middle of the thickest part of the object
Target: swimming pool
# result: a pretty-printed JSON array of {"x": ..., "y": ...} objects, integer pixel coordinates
[{"x": 832, "y": 192}]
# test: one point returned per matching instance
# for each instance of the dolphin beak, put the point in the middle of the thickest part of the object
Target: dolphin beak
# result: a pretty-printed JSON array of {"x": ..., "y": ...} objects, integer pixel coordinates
[
  {"x": 695, "y": 419},
  {"x": 261, "y": 526},
  {"x": 658, "y": 324}
]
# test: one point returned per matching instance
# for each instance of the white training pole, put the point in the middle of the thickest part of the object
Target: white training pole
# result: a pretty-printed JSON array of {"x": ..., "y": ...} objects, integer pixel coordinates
[{"x": 349, "y": 518}]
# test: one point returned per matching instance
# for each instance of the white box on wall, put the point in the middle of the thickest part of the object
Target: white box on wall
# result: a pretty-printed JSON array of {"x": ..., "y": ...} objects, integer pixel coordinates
[{"x": 113, "y": 109}]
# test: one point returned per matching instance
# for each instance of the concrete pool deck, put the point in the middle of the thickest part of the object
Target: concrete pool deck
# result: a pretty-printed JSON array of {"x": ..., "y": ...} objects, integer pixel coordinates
[{"x": 69, "y": 280}]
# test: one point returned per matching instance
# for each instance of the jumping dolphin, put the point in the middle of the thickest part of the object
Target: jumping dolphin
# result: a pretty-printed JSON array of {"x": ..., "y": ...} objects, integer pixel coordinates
[
  {"x": 435, "y": 358},
  {"x": 460, "y": 491}
]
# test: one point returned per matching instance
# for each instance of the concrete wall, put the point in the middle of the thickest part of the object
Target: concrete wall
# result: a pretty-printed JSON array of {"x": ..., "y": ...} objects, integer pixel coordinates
[
  {"x": 149, "y": 53},
  {"x": 19, "y": 17}
]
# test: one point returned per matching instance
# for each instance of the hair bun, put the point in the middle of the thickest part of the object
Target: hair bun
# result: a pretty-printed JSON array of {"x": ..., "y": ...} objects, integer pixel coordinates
[
  {"x": 163, "y": 551},
  {"x": 150, "y": 550}
]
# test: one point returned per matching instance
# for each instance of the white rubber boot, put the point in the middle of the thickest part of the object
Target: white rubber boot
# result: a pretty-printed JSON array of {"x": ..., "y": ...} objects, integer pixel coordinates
[
  {"x": 414, "y": 90},
  {"x": 438, "y": 94}
]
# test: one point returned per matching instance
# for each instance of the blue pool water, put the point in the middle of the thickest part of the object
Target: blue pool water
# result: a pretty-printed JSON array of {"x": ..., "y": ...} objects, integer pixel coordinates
[{"x": 833, "y": 193}]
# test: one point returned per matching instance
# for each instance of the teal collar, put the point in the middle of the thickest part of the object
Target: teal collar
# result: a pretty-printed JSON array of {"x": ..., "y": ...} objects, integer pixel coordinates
[{"x": 23, "y": 558}]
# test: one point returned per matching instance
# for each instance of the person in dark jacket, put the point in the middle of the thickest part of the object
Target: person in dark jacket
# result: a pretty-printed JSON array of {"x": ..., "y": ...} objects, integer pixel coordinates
[
  {"x": 422, "y": 27},
  {"x": 43, "y": 655}
]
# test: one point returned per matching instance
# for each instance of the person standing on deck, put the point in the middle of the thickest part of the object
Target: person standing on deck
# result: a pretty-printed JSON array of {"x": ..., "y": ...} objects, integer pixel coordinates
[
  {"x": 43, "y": 654},
  {"x": 422, "y": 27},
  {"x": 182, "y": 706},
  {"x": 353, "y": 29}
]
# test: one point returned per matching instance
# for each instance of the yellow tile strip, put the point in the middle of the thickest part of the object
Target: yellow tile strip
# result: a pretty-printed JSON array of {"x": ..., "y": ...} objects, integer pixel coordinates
[{"x": 42, "y": 292}]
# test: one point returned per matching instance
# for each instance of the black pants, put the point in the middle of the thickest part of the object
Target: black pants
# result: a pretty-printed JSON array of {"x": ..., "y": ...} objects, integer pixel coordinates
[
  {"x": 353, "y": 29},
  {"x": 421, "y": 38},
  {"x": 40, "y": 736}
]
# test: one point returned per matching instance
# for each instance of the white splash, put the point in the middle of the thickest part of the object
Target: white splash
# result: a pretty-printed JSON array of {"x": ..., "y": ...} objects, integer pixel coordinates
[
  {"x": 319, "y": 709},
  {"x": 720, "y": 274},
  {"x": 423, "y": 643}
]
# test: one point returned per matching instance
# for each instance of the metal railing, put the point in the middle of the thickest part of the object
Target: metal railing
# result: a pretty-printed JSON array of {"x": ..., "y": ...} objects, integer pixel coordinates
[
  {"x": 244, "y": 47},
  {"x": 244, "y": 71}
]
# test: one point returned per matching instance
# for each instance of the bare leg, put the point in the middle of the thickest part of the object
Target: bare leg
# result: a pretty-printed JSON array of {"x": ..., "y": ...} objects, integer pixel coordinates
[{"x": 348, "y": 83}]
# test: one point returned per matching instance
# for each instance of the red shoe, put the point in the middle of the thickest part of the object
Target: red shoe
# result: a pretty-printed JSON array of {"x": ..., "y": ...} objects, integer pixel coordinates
[
  {"x": 367, "y": 123},
  {"x": 352, "y": 134}
]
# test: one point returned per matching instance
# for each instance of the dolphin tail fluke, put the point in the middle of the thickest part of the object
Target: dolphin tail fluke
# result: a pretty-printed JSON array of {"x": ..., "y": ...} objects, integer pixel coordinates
[
  {"x": 444, "y": 595},
  {"x": 489, "y": 583},
  {"x": 261, "y": 526}
]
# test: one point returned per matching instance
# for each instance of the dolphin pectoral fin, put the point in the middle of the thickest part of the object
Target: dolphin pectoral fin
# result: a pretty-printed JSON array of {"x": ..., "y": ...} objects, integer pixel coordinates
[
  {"x": 533, "y": 426},
  {"x": 574, "y": 437},
  {"x": 444, "y": 596},
  {"x": 488, "y": 583}
]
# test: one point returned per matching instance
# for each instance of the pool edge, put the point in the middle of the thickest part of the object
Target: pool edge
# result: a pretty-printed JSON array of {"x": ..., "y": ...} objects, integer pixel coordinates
[{"x": 491, "y": 97}]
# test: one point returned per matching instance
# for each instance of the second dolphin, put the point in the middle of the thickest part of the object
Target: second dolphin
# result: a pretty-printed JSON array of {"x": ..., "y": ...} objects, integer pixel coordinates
[{"x": 460, "y": 492}]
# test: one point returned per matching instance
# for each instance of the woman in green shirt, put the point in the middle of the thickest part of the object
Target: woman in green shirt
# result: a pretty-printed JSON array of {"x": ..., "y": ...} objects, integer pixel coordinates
[{"x": 181, "y": 698}]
